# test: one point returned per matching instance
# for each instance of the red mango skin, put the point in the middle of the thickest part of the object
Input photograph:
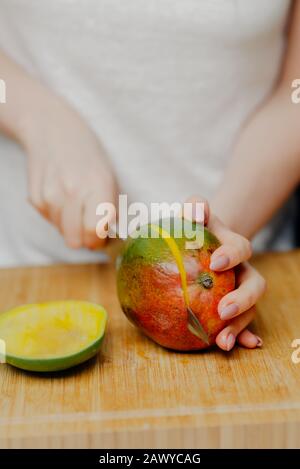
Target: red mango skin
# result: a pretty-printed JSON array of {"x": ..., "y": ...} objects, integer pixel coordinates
[{"x": 151, "y": 295}]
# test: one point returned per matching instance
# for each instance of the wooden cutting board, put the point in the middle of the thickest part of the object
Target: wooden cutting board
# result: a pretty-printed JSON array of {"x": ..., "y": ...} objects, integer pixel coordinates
[{"x": 136, "y": 394}]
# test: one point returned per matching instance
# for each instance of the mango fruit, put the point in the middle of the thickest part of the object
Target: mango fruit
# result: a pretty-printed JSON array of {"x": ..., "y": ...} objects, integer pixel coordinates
[{"x": 160, "y": 276}]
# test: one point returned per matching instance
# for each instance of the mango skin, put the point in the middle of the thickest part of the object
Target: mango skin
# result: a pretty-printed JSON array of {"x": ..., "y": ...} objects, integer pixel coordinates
[
  {"x": 151, "y": 296},
  {"x": 57, "y": 363}
]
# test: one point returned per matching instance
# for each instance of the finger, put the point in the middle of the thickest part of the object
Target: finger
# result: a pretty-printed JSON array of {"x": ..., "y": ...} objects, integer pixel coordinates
[
  {"x": 91, "y": 239},
  {"x": 234, "y": 250},
  {"x": 249, "y": 340},
  {"x": 53, "y": 197},
  {"x": 227, "y": 337},
  {"x": 252, "y": 286},
  {"x": 71, "y": 220},
  {"x": 197, "y": 210},
  {"x": 35, "y": 179}
]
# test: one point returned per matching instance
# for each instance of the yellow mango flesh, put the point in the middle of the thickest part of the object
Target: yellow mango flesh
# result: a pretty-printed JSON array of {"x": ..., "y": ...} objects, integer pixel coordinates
[
  {"x": 51, "y": 330},
  {"x": 178, "y": 259}
]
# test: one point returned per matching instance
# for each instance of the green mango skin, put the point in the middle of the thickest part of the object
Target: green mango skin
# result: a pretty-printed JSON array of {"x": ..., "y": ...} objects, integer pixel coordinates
[
  {"x": 55, "y": 364},
  {"x": 59, "y": 363},
  {"x": 150, "y": 289}
]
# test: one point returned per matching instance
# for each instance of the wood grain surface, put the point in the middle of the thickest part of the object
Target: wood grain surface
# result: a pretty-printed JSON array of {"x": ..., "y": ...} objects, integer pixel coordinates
[{"x": 136, "y": 394}]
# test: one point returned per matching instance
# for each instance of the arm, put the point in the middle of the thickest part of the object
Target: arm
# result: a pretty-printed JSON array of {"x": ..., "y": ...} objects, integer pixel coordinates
[
  {"x": 24, "y": 94},
  {"x": 265, "y": 166},
  {"x": 68, "y": 173}
]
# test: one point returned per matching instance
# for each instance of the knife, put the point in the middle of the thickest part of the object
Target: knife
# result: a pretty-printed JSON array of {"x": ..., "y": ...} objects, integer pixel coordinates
[{"x": 195, "y": 327}]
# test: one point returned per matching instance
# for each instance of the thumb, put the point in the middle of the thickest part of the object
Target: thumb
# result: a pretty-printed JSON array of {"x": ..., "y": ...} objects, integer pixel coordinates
[{"x": 198, "y": 209}]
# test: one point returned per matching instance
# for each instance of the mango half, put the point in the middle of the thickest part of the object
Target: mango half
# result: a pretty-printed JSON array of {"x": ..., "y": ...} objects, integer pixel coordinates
[{"x": 52, "y": 336}]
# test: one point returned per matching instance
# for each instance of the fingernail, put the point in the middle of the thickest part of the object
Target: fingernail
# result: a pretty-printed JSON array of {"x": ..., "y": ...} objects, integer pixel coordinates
[
  {"x": 259, "y": 341},
  {"x": 221, "y": 262},
  {"x": 230, "y": 341},
  {"x": 229, "y": 311}
]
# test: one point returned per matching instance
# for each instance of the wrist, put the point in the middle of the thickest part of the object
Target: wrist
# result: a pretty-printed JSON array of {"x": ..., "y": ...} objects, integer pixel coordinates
[
  {"x": 37, "y": 112},
  {"x": 21, "y": 112},
  {"x": 230, "y": 215}
]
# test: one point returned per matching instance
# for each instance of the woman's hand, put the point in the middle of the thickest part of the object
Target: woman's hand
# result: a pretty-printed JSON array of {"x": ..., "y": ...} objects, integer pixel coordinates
[
  {"x": 238, "y": 305},
  {"x": 68, "y": 174}
]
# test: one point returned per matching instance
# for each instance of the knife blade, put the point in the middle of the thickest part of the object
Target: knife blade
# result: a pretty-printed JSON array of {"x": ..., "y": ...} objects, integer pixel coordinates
[{"x": 195, "y": 327}]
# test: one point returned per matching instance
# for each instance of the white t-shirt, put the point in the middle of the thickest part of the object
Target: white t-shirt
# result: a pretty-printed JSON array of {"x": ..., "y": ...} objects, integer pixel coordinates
[{"x": 166, "y": 85}]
